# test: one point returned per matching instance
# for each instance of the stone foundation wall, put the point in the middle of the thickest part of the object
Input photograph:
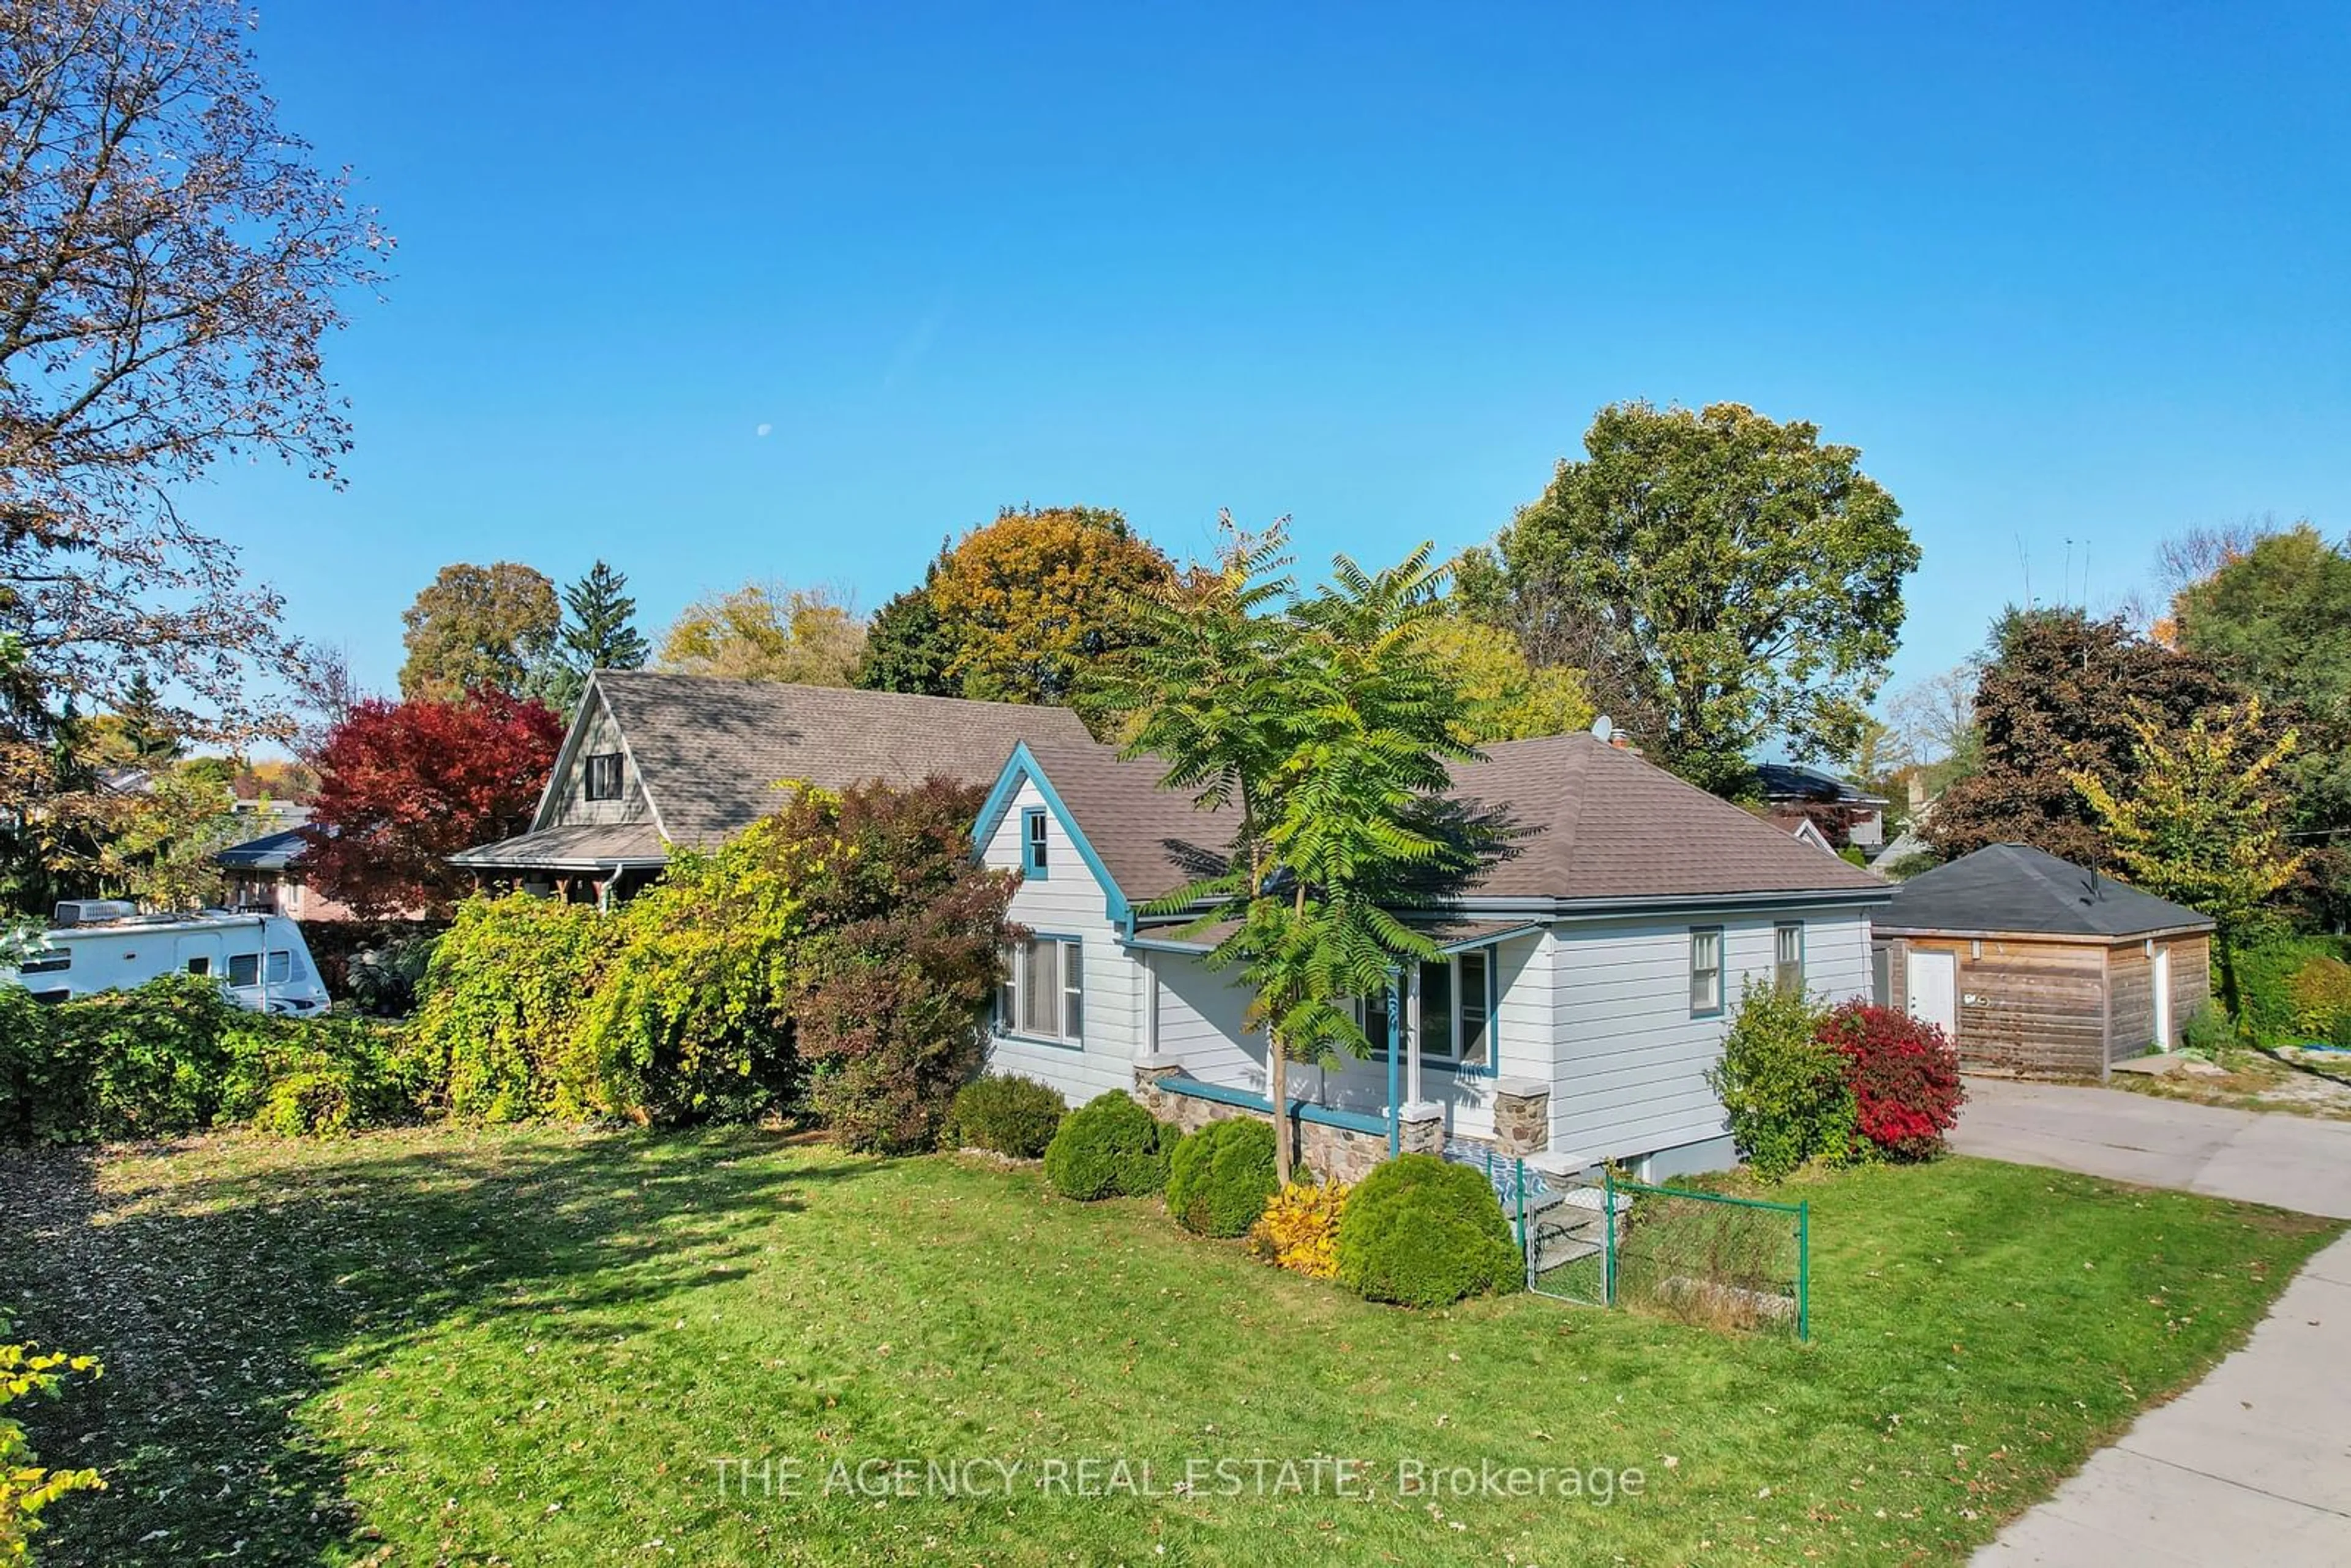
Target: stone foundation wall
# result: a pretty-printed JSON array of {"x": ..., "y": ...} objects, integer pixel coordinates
[{"x": 1334, "y": 1153}]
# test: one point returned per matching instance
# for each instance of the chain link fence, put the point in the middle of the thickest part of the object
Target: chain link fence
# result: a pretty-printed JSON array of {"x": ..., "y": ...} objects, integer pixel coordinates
[{"x": 1737, "y": 1264}]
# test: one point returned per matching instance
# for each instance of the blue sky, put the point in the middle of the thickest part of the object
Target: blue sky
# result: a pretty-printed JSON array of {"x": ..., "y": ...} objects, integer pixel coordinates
[{"x": 2078, "y": 273}]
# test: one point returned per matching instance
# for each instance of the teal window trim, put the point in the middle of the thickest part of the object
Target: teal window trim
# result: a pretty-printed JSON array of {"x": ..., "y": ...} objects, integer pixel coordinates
[
  {"x": 1035, "y": 862},
  {"x": 1490, "y": 1067},
  {"x": 1721, "y": 970},
  {"x": 1022, "y": 768}
]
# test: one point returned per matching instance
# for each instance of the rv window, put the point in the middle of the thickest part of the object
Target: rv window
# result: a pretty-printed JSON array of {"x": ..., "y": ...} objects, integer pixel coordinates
[
  {"x": 200, "y": 966},
  {"x": 47, "y": 964},
  {"x": 244, "y": 969},
  {"x": 281, "y": 968},
  {"x": 51, "y": 998}
]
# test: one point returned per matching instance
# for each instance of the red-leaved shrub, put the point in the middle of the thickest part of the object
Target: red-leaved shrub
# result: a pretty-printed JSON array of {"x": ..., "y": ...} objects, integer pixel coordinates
[{"x": 1904, "y": 1075}]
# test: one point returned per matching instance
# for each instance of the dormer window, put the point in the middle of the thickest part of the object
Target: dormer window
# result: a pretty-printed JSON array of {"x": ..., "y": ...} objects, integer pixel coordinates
[{"x": 604, "y": 776}]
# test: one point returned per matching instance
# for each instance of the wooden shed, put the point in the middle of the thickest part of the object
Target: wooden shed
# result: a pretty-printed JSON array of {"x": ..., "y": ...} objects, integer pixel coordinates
[{"x": 2034, "y": 965}]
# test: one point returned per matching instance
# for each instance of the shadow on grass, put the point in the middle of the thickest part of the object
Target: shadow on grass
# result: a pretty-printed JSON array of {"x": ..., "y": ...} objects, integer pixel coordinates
[{"x": 227, "y": 1283}]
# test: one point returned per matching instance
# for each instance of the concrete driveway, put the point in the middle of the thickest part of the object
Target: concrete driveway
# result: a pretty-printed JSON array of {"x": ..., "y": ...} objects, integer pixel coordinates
[
  {"x": 2260, "y": 1156},
  {"x": 2253, "y": 1464}
]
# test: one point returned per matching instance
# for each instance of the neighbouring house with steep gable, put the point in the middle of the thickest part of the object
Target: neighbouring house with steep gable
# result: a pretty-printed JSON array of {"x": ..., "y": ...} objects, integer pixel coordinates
[{"x": 653, "y": 760}]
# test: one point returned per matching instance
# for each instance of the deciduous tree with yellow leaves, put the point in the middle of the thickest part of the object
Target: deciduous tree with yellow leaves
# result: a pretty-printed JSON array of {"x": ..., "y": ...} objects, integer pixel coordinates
[{"x": 2204, "y": 824}]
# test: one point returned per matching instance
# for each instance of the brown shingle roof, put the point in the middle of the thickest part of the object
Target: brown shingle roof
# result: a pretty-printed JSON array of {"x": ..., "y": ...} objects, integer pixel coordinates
[
  {"x": 1152, "y": 840},
  {"x": 1590, "y": 823},
  {"x": 1601, "y": 824},
  {"x": 711, "y": 751}
]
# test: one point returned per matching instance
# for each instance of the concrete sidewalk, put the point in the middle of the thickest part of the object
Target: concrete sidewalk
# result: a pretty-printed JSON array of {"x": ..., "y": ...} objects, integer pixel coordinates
[
  {"x": 2274, "y": 1156},
  {"x": 2253, "y": 1464}
]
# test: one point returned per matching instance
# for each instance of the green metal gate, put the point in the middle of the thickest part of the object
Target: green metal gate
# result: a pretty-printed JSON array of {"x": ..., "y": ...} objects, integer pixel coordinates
[{"x": 1702, "y": 1257}]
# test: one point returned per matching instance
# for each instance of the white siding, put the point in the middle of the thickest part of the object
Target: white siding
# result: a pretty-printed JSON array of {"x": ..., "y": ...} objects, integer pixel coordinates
[
  {"x": 1069, "y": 902},
  {"x": 1199, "y": 1025},
  {"x": 1630, "y": 1075}
]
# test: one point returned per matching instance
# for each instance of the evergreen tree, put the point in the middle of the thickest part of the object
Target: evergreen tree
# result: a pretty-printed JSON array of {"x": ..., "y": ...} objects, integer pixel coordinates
[
  {"x": 601, "y": 632},
  {"x": 144, "y": 734}
]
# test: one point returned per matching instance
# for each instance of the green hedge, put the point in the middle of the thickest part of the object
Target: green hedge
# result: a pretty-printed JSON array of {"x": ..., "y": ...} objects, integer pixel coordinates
[
  {"x": 2265, "y": 972},
  {"x": 1109, "y": 1147},
  {"x": 1015, "y": 1116},
  {"x": 176, "y": 1056},
  {"x": 503, "y": 999},
  {"x": 321, "y": 1077},
  {"x": 1423, "y": 1232},
  {"x": 1220, "y": 1177}
]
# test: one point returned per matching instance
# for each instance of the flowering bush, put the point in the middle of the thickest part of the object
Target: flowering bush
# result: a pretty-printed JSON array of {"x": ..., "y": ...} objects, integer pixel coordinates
[
  {"x": 1904, "y": 1076},
  {"x": 1299, "y": 1228}
]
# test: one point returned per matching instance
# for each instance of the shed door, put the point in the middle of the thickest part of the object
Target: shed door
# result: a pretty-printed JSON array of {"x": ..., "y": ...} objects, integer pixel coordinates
[
  {"x": 1934, "y": 989},
  {"x": 2163, "y": 999}
]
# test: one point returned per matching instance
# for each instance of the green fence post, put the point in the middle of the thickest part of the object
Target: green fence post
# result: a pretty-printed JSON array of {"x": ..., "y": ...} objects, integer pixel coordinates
[
  {"x": 1803, "y": 1270},
  {"x": 1518, "y": 1190},
  {"x": 1607, "y": 1237}
]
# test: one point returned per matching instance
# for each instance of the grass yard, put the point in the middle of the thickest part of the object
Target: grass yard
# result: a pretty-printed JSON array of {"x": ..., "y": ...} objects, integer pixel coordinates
[{"x": 534, "y": 1346}]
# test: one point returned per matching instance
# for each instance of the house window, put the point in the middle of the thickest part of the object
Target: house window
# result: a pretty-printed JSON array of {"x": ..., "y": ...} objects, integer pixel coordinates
[
  {"x": 1706, "y": 971},
  {"x": 1788, "y": 957},
  {"x": 1042, "y": 993},
  {"x": 604, "y": 776},
  {"x": 1457, "y": 1011},
  {"x": 1032, "y": 843}
]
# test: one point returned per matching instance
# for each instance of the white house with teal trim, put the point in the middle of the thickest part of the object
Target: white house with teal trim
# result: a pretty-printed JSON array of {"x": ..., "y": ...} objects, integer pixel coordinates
[{"x": 1589, "y": 973}]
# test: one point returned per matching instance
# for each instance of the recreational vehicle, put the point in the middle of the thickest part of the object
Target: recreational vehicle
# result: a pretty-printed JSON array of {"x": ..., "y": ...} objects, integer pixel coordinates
[{"x": 106, "y": 944}]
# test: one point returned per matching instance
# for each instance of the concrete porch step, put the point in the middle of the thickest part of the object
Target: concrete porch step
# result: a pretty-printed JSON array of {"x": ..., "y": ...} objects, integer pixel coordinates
[{"x": 1559, "y": 1249}]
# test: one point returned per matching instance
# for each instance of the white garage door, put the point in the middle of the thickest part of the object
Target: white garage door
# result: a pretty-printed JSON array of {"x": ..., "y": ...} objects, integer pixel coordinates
[{"x": 1935, "y": 990}]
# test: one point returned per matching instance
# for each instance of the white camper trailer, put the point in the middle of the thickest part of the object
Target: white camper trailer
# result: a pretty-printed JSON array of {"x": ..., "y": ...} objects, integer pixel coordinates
[{"x": 106, "y": 944}]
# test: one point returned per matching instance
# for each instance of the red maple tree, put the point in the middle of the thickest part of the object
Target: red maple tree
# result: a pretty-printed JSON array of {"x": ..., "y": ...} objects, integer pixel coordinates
[{"x": 402, "y": 786}]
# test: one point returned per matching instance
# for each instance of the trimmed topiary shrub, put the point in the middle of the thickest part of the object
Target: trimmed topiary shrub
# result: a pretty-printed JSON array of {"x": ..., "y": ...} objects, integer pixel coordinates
[
  {"x": 1782, "y": 1087},
  {"x": 1010, "y": 1115},
  {"x": 1109, "y": 1147},
  {"x": 1904, "y": 1075},
  {"x": 1299, "y": 1228},
  {"x": 1421, "y": 1232},
  {"x": 1220, "y": 1178}
]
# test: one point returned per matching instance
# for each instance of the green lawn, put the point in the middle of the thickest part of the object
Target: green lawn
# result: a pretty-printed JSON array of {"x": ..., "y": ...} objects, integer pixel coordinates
[{"x": 534, "y": 1346}]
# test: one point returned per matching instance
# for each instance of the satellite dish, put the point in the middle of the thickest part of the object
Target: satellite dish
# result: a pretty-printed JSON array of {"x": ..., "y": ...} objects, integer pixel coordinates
[{"x": 1604, "y": 728}]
